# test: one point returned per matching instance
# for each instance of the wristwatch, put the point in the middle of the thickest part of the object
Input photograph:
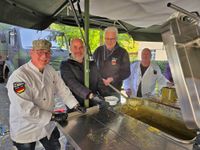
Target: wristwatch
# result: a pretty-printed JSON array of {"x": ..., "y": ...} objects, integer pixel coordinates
[{"x": 90, "y": 96}]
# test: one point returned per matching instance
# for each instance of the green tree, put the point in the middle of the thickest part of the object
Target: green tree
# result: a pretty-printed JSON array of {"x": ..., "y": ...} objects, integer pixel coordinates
[
  {"x": 124, "y": 40},
  {"x": 74, "y": 32}
]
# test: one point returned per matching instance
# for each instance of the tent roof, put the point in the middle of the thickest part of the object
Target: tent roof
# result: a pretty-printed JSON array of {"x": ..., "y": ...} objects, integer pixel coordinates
[
  {"x": 141, "y": 13},
  {"x": 140, "y": 18}
]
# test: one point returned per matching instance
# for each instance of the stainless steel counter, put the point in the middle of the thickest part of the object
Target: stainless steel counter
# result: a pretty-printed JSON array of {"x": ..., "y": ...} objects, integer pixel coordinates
[{"x": 109, "y": 130}]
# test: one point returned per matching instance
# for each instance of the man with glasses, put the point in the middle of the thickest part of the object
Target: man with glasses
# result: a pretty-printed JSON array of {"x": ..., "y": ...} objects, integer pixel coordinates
[
  {"x": 113, "y": 62},
  {"x": 31, "y": 90}
]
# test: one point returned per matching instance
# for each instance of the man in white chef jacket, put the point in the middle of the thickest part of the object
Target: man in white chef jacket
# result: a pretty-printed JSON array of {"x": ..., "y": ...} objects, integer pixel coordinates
[
  {"x": 31, "y": 90},
  {"x": 144, "y": 76}
]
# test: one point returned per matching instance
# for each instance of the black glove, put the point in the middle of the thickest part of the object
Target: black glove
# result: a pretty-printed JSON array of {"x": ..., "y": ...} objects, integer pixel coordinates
[
  {"x": 61, "y": 118},
  {"x": 80, "y": 109},
  {"x": 97, "y": 99}
]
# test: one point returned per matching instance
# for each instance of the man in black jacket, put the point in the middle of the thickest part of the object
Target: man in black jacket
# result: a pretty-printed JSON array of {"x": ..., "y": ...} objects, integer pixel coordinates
[
  {"x": 72, "y": 72},
  {"x": 112, "y": 62}
]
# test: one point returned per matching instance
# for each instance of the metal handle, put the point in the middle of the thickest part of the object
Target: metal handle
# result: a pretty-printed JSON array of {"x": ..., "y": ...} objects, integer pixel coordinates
[
  {"x": 116, "y": 90},
  {"x": 183, "y": 11}
]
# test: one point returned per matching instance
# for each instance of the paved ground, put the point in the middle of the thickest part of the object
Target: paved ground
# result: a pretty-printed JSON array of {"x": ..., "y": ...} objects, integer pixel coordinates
[{"x": 5, "y": 142}]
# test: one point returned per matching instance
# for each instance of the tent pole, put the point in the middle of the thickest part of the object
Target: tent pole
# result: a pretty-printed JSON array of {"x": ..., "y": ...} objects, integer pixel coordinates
[{"x": 86, "y": 60}]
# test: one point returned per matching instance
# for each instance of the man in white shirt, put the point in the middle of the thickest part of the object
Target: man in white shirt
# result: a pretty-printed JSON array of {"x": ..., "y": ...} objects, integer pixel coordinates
[
  {"x": 32, "y": 89},
  {"x": 144, "y": 76}
]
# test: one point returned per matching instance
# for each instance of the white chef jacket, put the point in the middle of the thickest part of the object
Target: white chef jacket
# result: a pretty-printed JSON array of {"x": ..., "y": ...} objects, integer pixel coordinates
[
  {"x": 148, "y": 80},
  {"x": 31, "y": 95}
]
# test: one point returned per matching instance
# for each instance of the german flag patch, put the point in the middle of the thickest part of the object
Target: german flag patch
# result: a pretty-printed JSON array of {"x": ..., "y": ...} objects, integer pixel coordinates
[{"x": 19, "y": 87}]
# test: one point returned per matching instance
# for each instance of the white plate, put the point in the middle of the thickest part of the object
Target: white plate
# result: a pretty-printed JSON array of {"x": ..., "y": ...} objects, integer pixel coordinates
[{"x": 112, "y": 100}]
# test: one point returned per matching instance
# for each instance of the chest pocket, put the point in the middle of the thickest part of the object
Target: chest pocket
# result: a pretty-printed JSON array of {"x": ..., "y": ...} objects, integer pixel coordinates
[
  {"x": 110, "y": 68},
  {"x": 154, "y": 74}
]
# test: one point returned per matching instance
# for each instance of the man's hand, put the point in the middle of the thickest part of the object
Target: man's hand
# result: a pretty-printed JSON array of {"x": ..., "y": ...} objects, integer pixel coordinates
[
  {"x": 100, "y": 101},
  {"x": 80, "y": 109},
  {"x": 108, "y": 81},
  {"x": 170, "y": 84},
  {"x": 128, "y": 92},
  {"x": 61, "y": 118}
]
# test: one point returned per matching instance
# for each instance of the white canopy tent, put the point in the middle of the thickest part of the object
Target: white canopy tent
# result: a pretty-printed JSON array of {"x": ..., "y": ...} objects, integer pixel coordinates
[
  {"x": 140, "y": 18},
  {"x": 140, "y": 13}
]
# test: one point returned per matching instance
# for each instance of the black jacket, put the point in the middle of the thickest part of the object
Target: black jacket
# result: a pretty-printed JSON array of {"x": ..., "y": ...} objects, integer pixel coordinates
[
  {"x": 114, "y": 64},
  {"x": 72, "y": 73}
]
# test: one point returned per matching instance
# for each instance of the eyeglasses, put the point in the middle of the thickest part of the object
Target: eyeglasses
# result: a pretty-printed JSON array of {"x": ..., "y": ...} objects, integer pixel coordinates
[
  {"x": 110, "y": 39},
  {"x": 42, "y": 52}
]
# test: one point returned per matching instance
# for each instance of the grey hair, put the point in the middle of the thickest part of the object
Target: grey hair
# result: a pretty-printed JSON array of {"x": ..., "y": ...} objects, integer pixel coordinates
[
  {"x": 75, "y": 39},
  {"x": 111, "y": 29}
]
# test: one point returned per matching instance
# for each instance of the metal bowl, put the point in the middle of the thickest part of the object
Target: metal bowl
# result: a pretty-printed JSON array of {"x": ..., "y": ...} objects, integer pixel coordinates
[{"x": 112, "y": 100}]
